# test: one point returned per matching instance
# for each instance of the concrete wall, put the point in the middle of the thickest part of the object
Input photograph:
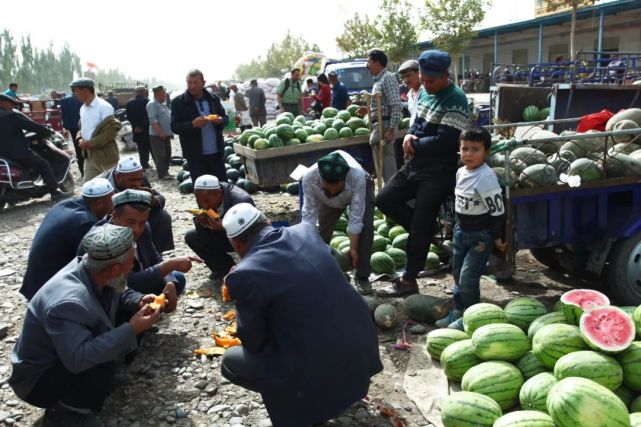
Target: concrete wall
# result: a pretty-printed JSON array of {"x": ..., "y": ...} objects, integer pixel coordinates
[{"x": 624, "y": 26}]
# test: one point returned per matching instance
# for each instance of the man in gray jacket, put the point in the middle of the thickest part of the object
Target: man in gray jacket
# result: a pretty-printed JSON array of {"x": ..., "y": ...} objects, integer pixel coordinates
[{"x": 65, "y": 357}]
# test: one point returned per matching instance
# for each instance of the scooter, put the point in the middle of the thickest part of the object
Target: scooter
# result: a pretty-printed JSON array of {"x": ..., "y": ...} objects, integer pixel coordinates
[
  {"x": 126, "y": 137},
  {"x": 18, "y": 184}
]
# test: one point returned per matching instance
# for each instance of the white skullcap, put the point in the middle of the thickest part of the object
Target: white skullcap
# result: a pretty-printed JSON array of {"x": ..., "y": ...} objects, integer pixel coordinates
[
  {"x": 97, "y": 187},
  {"x": 206, "y": 182},
  {"x": 239, "y": 218},
  {"x": 128, "y": 165}
]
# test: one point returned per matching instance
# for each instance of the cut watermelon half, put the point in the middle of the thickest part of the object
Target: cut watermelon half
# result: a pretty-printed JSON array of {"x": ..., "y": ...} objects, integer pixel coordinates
[
  {"x": 608, "y": 329},
  {"x": 576, "y": 301}
]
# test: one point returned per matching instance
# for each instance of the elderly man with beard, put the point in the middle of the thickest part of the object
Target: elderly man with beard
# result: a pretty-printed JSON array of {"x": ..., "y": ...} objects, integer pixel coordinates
[{"x": 65, "y": 357}]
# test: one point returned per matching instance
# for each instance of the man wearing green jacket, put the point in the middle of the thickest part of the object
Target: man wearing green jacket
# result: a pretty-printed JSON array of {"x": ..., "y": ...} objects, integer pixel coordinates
[{"x": 289, "y": 94}]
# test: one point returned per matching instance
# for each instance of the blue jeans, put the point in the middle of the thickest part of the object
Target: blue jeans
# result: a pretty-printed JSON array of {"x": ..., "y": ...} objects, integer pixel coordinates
[
  {"x": 182, "y": 282},
  {"x": 472, "y": 251}
]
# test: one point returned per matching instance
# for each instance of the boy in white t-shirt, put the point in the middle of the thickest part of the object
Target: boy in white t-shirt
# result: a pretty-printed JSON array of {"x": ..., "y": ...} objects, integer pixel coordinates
[{"x": 479, "y": 223}]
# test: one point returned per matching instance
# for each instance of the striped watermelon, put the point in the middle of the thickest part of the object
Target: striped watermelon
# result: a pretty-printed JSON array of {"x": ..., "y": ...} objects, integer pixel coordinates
[
  {"x": 627, "y": 397},
  {"x": 378, "y": 223},
  {"x": 577, "y": 300},
  {"x": 579, "y": 402},
  {"x": 341, "y": 224},
  {"x": 439, "y": 339},
  {"x": 607, "y": 329},
  {"x": 500, "y": 381},
  {"x": 380, "y": 243},
  {"x": 553, "y": 341},
  {"x": 635, "y": 405},
  {"x": 629, "y": 309},
  {"x": 482, "y": 314},
  {"x": 382, "y": 263},
  {"x": 383, "y": 229},
  {"x": 525, "y": 419},
  {"x": 400, "y": 241},
  {"x": 500, "y": 341},
  {"x": 636, "y": 317},
  {"x": 523, "y": 311},
  {"x": 398, "y": 255},
  {"x": 630, "y": 361},
  {"x": 385, "y": 316},
  {"x": 529, "y": 365},
  {"x": 534, "y": 393},
  {"x": 635, "y": 419},
  {"x": 546, "y": 319},
  {"x": 337, "y": 241},
  {"x": 531, "y": 113},
  {"x": 594, "y": 366},
  {"x": 458, "y": 358},
  {"x": 466, "y": 409}
]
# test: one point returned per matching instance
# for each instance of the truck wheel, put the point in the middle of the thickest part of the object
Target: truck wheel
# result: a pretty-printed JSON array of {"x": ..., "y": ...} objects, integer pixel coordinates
[
  {"x": 546, "y": 256},
  {"x": 623, "y": 274}
]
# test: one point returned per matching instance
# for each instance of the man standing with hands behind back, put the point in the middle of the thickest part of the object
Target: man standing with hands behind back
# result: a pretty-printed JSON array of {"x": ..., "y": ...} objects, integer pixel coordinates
[{"x": 199, "y": 118}]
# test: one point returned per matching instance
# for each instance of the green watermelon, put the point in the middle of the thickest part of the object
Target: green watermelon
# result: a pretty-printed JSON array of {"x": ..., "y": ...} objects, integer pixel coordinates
[
  {"x": 320, "y": 128},
  {"x": 630, "y": 361},
  {"x": 546, "y": 319},
  {"x": 425, "y": 308},
  {"x": 531, "y": 113},
  {"x": 382, "y": 263},
  {"x": 396, "y": 231},
  {"x": 635, "y": 405},
  {"x": 362, "y": 131},
  {"x": 337, "y": 241},
  {"x": 182, "y": 175},
  {"x": 432, "y": 262},
  {"x": 534, "y": 393},
  {"x": 438, "y": 339},
  {"x": 500, "y": 341},
  {"x": 310, "y": 130},
  {"x": 528, "y": 155},
  {"x": 338, "y": 124},
  {"x": 283, "y": 120},
  {"x": 249, "y": 186},
  {"x": 607, "y": 329},
  {"x": 525, "y": 419},
  {"x": 404, "y": 123},
  {"x": 579, "y": 402},
  {"x": 385, "y": 316},
  {"x": 465, "y": 409},
  {"x": 235, "y": 161},
  {"x": 330, "y": 134},
  {"x": 345, "y": 244},
  {"x": 261, "y": 144},
  {"x": 383, "y": 229},
  {"x": 355, "y": 123},
  {"x": 500, "y": 381},
  {"x": 228, "y": 151},
  {"x": 556, "y": 340},
  {"x": 588, "y": 170},
  {"x": 343, "y": 261},
  {"x": 343, "y": 115},
  {"x": 400, "y": 242},
  {"x": 457, "y": 358},
  {"x": 539, "y": 175},
  {"x": 328, "y": 122},
  {"x": 523, "y": 311},
  {"x": 292, "y": 188},
  {"x": 251, "y": 142},
  {"x": 233, "y": 174},
  {"x": 186, "y": 186},
  {"x": 301, "y": 134},
  {"x": 378, "y": 214},
  {"x": 275, "y": 141},
  {"x": 544, "y": 113},
  {"x": 594, "y": 366},
  {"x": 482, "y": 314},
  {"x": 285, "y": 131},
  {"x": 577, "y": 300},
  {"x": 345, "y": 133},
  {"x": 300, "y": 119},
  {"x": 529, "y": 365},
  {"x": 292, "y": 141},
  {"x": 329, "y": 112},
  {"x": 341, "y": 224},
  {"x": 378, "y": 223},
  {"x": 626, "y": 395},
  {"x": 398, "y": 255},
  {"x": 353, "y": 109},
  {"x": 379, "y": 244}
]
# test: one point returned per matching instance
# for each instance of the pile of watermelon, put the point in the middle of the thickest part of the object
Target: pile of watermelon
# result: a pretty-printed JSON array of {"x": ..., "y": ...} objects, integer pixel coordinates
[
  {"x": 234, "y": 168},
  {"x": 388, "y": 249},
  {"x": 542, "y": 164},
  {"x": 522, "y": 366}
]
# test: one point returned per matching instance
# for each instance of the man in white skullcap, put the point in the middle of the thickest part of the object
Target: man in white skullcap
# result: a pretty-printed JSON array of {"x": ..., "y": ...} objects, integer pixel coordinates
[
  {"x": 291, "y": 299},
  {"x": 65, "y": 357},
  {"x": 56, "y": 241},
  {"x": 150, "y": 274},
  {"x": 208, "y": 239},
  {"x": 129, "y": 173}
]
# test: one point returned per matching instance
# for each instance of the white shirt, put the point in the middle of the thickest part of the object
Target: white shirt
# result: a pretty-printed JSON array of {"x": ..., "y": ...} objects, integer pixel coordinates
[
  {"x": 353, "y": 195},
  {"x": 92, "y": 115},
  {"x": 478, "y": 192},
  {"x": 412, "y": 103}
]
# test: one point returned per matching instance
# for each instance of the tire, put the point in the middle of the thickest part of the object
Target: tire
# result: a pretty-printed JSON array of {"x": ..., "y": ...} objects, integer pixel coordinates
[
  {"x": 547, "y": 256},
  {"x": 623, "y": 273},
  {"x": 68, "y": 186}
]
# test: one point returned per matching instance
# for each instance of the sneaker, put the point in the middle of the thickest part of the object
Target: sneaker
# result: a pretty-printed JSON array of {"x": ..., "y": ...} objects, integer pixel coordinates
[
  {"x": 457, "y": 324},
  {"x": 363, "y": 286},
  {"x": 452, "y": 316}
]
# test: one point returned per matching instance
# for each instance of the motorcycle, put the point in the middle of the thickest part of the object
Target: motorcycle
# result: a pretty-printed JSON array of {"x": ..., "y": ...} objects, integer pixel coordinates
[
  {"x": 18, "y": 184},
  {"x": 126, "y": 137}
]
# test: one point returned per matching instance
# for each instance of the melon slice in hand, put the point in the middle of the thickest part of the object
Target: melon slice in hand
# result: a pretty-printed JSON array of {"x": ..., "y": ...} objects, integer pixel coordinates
[
  {"x": 159, "y": 302},
  {"x": 576, "y": 301},
  {"x": 607, "y": 329}
]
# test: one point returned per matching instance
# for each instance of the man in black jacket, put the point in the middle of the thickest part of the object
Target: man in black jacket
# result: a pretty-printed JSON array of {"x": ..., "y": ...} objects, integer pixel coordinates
[
  {"x": 137, "y": 116},
  {"x": 14, "y": 146},
  {"x": 199, "y": 118}
]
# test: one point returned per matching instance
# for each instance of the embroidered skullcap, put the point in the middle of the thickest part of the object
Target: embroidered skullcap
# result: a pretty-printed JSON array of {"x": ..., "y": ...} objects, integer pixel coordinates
[
  {"x": 128, "y": 165},
  {"x": 239, "y": 218},
  {"x": 130, "y": 196},
  {"x": 107, "y": 242},
  {"x": 97, "y": 187},
  {"x": 206, "y": 182},
  {"x": 333, "y": 167}
]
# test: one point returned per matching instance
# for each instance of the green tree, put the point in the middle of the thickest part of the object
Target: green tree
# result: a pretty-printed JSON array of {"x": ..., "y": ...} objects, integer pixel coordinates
[
  {"x": 573, "y": 5},
  {"x": 26, "y": 71},
  {"x": 359, "y": 36},
  {"x": 8, "y": 58},
  {"x": 397, "y": 29},
  {"x": 453, "y": 23}
]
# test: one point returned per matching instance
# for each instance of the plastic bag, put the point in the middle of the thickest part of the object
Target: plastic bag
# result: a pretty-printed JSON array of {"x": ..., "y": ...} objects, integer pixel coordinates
[{"x": 595, "y": 121}]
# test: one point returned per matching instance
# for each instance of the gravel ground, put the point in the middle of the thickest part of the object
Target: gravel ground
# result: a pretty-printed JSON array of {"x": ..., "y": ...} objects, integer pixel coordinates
[{"x": 171, "y": 386}]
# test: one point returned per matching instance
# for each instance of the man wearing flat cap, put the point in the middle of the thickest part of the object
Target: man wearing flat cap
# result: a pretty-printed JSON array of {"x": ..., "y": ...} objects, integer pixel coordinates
[
  {"x": 56, "y": 242},
  {"x": 331, "y": 185},
  {"x": 65, "y": 357},
  {"x": 14, "y": 146},
  {"x": 431, "y": 159},
  {"x": 208, "y": 239},
  {"x": 98, "y": 130},
  {"x": 150, "y": 274},
  {"x": 287, "y": 317},
  {"x": 137, "y": 116},
  {"x": 160, "y": 133},
  {"x": 256, "y": 97},
  {"x": 129, "y": 174}
]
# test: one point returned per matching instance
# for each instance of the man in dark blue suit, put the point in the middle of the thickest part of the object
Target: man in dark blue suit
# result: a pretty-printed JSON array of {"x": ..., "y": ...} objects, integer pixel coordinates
[
  {"x": 137, "y": 116},
  {"x": 57, "y": 240},
  {"x": 70, "y": 113},
  {"x": 309, "y": 345}
]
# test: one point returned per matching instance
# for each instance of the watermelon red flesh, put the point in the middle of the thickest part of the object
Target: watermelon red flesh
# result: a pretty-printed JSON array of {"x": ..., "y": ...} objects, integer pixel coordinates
[
  {"x": 576, "y": 301},
  {"x": 607, "y": 329}
]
